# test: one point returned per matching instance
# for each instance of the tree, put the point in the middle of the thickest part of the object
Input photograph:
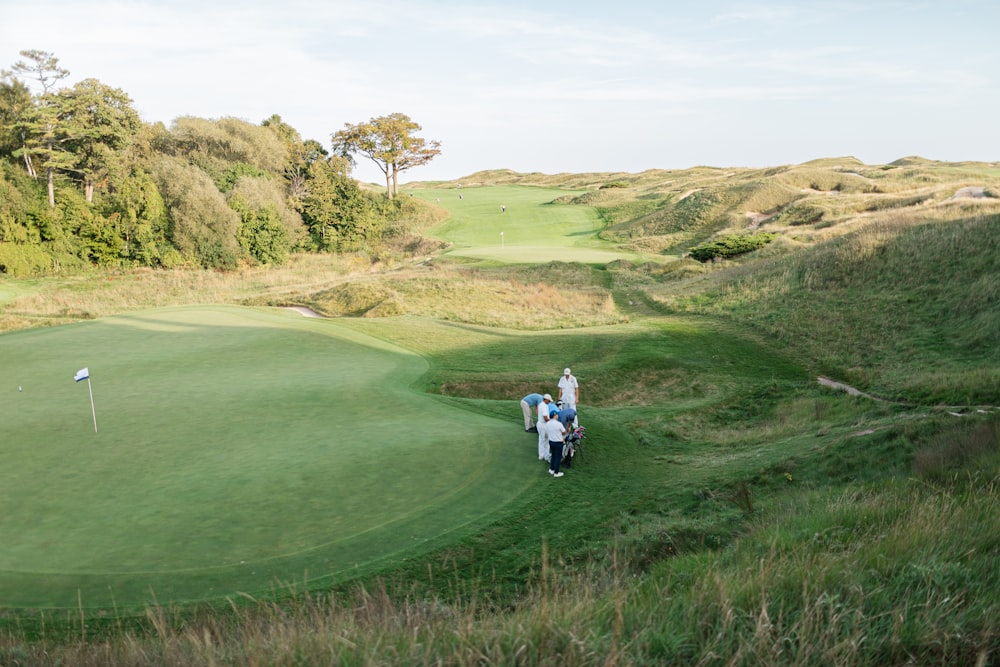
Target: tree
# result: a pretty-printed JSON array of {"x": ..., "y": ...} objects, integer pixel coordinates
[
  {"x": 214, "y": 145},
  {"x": 15, "y": 100},
  {"x": 261, "y": 234},
  {"x": 269, "y": 228},
  {"x": 301, "y": 154},
  {"x": 96, "y": 123},
  {"x": 389, "y": 142},
  {"x": 340, "y": 216},
  {"x": 136, "y": 208},
  {"x": 42, "y": 66},
  {"x": 42, "y": 147},
  {"x": 37, "y": 128},
  {"x": 202, "y": 226}
]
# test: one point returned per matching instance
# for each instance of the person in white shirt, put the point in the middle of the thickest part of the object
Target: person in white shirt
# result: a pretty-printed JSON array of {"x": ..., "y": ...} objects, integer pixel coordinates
[
  {"x": 540, "y": 421},
  {"x": 569, "y": 391},
  {"x": 555, "y": 432}
]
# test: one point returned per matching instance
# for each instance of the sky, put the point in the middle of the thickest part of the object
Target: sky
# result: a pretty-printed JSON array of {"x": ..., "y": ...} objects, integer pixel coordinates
[{"x": 556, "y": 86}]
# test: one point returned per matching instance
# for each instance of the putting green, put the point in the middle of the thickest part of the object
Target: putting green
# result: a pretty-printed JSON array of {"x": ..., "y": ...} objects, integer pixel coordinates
[
  {"x": 520, "y": 224},
  {"x": 236, "y": 448}
]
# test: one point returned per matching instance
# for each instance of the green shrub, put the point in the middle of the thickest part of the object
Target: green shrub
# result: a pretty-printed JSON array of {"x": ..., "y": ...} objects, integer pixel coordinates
[
  {"x": 731, "y": 245},
  {"x": 261, "y": 234},
  {"x": 22, "y": 260}
]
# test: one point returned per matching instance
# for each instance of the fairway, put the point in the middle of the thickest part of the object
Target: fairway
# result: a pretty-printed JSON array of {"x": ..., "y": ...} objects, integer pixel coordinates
[
  {"x": 237, "y": 449},
  {"x": 518, "y": 224}
]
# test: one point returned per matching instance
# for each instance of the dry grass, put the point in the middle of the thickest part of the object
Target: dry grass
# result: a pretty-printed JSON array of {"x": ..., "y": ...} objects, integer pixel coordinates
[
  {"x": 456, "y": 296},
  {"x": 61, "y": 300},
  {"x": 559, "y": 297}
]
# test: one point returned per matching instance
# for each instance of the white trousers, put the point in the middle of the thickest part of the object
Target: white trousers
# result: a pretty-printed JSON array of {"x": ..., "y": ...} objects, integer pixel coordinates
[
  {"x": 543, "y": 444},
  {"x": 526, "y": 409}
]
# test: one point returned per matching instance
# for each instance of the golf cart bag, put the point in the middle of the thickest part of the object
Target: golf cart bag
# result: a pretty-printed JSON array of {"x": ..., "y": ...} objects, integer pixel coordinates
[{"x": 572, "y": 446}]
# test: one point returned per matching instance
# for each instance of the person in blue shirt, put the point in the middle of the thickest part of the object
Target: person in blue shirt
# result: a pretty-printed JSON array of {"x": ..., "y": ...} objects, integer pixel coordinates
[
  {"x": 568, "y": 417},
  {"x": 528, "y": 405}
]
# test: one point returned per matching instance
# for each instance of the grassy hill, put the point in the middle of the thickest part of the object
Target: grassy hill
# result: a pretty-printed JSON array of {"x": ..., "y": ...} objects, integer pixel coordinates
[
  {"x": 728, "y": 507},
  {"x": 668, "y": 211}
]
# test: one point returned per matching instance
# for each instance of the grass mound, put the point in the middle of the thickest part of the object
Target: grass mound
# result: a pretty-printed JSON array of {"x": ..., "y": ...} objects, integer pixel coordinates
[{"x": 354, "y": 299}]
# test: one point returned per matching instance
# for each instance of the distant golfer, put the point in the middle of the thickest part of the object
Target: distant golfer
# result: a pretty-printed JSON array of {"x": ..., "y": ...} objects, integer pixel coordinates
[
  {"x": 503, "y": 208},
  {"x": 528, "y": 404}
]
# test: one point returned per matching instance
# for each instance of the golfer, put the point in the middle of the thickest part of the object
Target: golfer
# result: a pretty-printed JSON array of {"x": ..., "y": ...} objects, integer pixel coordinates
[
  {"x": 528, "y": 404},
  {"x": 556, "y": 434},
  {"x": 543, "y": 418},
  {"x": 568, "y": 417}
]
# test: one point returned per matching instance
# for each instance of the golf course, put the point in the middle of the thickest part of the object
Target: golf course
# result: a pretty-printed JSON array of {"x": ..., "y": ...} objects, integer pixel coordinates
[
  {"x": 238, "y": 450},
  {"x": 520, "y": 225},
  {"x": 791, "y": 452}
]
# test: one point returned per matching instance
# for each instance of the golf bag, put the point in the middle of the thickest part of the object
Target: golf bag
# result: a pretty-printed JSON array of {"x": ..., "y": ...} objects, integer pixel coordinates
[{"x": 572, "y": 446}]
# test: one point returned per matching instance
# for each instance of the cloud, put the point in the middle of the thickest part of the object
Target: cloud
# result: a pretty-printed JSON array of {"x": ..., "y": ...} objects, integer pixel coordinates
[{"x": 543, "y": 82}]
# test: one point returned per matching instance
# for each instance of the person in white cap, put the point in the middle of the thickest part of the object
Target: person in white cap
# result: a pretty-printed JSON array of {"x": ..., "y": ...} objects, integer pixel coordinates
[
  {"x": 543, "y": 418},
  {"x": 569, "y": 391}
]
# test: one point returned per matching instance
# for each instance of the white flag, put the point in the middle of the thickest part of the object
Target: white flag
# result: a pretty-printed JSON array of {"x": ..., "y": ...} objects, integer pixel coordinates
[{"x": 82, "y": 374}]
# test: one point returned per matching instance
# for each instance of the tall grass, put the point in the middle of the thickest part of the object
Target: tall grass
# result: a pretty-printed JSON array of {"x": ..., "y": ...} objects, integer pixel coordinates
[
  {"x": 87, "y": 296},
  {"x": 902, "y": 574},
  {"x": 863, "y": 307},
  {"x": 462, "y": 298}
]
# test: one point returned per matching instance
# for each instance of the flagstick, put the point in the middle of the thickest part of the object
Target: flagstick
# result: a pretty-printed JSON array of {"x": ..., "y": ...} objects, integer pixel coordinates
[{"x": 92, "y": 410}]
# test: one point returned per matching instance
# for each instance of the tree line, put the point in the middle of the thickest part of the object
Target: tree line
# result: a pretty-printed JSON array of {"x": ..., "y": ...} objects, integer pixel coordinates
[{"x": 85, "y": 181}]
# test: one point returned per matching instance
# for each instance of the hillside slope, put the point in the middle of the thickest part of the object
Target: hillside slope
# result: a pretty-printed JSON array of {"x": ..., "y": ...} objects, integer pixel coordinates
[
  {"x": 885, "y": 276},
  {"x": 670, "y": 210}
]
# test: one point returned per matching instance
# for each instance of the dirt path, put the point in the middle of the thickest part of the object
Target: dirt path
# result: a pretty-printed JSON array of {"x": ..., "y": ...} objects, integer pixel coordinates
[
  {"x": 953, "y": 410},
  {"x": 833, "y": 384}
]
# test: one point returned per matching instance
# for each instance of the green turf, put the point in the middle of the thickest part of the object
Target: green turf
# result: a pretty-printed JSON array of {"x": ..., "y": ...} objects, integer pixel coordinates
[
  {"x": 235, "y": 448},
  {"x": 534, "y": 230}
]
